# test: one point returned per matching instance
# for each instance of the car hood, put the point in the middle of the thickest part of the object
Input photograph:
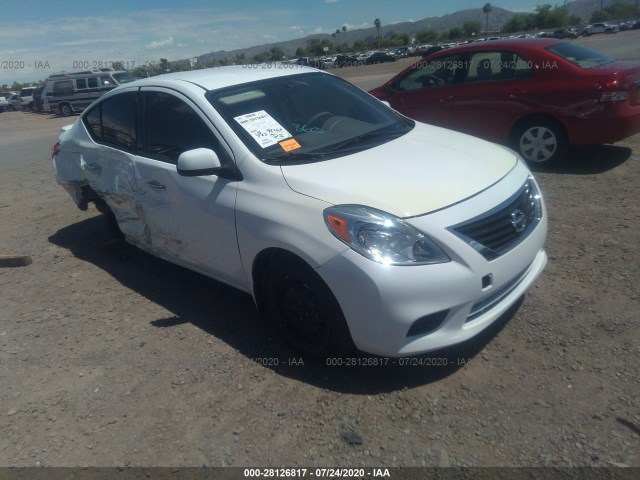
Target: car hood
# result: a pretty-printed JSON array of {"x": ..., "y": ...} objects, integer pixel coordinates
[{"x": 425, "y": 170}]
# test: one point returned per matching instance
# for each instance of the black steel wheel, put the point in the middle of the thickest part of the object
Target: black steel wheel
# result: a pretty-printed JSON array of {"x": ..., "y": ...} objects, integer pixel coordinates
[{"x": 303, "y": 309}]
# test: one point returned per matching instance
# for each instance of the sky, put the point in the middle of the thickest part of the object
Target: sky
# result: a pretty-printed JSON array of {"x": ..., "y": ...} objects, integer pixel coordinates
[{"x": 41, "y": 37}]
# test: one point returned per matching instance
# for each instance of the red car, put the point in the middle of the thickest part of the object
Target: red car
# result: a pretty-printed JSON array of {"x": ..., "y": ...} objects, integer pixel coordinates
[{"x": 538, "y": 96}]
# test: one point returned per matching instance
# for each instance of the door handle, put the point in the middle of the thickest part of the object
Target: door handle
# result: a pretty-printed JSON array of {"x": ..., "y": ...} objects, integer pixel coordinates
[
  {"x": 156, "y": 185},
  {"x": 446, "y": 100}
]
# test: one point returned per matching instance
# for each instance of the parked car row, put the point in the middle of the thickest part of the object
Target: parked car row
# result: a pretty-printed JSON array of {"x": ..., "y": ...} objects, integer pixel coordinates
[
  {"x": 66, "y": 93},
  {"x": 610, "y": 27},
  {"x": 11, "y": 101},
  {"x": 339, "y": 61},
  {"x": 629, "y": 25},
  {"x": 599, "y": 28}
]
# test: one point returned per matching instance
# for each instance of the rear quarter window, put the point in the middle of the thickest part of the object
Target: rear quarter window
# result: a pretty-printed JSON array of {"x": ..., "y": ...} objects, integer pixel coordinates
[
  {"x": 579, "y": 55},
  {"x": 113, "y": 121}
]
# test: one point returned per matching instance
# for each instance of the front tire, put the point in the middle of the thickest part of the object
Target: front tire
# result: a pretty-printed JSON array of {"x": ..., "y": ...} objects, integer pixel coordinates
[
  {"x": 303, "y": 309},
  {"x": 540, "y": 141}
]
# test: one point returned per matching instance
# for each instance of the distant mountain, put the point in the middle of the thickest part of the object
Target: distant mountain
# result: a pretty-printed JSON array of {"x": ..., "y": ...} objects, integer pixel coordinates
[
  {"x": 585, "y": 8},
  {"x": 497, "y": 17}
]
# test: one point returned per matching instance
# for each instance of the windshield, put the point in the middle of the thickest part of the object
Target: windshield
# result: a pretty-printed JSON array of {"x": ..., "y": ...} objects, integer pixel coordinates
[
  {"x": 123, "y": 77},
  {"x": 306, "y": 117},
  {"x": 580, "y": 56}
]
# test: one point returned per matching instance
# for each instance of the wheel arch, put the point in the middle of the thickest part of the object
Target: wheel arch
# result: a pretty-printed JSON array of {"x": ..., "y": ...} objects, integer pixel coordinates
[
  {"x": 270, "y": 267},
  {"x": 261, "y": 263}
]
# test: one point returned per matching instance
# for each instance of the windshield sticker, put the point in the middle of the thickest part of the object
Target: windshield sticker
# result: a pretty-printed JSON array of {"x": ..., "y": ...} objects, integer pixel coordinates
[
  {"x": 302, "y": 128},
  {"x": 289, "y": 145},
  {"x": 263, "y": 128}
]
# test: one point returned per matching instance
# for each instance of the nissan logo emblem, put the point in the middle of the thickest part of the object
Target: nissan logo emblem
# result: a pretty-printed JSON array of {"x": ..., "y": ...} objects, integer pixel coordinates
[{"x": 518, "y": 220}]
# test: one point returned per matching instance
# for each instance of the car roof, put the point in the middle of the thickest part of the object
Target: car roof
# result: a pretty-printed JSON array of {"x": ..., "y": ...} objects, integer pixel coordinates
[
  {"x": 510, "y": 43},
  {"x": 221, "y": 77}
]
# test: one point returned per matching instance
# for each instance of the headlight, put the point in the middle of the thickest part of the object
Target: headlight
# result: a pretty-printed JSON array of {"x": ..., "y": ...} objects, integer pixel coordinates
[{"x": 381, "y": 237}]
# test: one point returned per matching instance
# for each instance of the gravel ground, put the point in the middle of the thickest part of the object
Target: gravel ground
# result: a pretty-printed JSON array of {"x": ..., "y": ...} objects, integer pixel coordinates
[{"x": 110, "y": 357}]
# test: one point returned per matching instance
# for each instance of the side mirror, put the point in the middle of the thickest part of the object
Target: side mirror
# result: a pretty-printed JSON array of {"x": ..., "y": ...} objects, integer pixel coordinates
[{"x": 198, "y": 162}]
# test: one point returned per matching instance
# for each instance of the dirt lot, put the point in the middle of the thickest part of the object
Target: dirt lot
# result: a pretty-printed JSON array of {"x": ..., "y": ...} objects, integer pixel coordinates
[{"x": 110, "y": 357}]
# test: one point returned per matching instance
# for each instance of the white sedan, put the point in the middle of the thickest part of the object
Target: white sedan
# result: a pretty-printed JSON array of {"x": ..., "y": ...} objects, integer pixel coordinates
[{"x": 349, "y": 224}]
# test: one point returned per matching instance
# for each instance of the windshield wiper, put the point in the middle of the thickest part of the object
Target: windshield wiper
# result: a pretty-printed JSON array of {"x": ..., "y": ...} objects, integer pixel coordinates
[
  {"x": 293, "y": 156},
  {"x": 355, "y": 141},
  {"x": 352, "y": 143}
]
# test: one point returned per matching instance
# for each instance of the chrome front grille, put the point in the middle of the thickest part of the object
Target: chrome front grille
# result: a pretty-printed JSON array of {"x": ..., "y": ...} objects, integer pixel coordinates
[{"x": 502, "y": 228}]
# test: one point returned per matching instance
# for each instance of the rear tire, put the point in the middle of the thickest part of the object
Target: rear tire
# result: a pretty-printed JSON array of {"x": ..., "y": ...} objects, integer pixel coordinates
[
  {"x": 303, "y": 309},
  {"x": 112, "y": 225},
  {"x": 540, "y": 141},
  {"x": 65, "y": 110}
]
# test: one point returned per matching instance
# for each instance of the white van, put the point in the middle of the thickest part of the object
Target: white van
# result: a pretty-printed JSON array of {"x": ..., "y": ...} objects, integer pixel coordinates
[
  {"x": 68, "y": 93},
  {"x": 26, "y": 97}
]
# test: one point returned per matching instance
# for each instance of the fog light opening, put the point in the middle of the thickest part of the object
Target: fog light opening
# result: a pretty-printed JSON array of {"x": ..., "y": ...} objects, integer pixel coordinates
[{"x": 427, "y": 324}]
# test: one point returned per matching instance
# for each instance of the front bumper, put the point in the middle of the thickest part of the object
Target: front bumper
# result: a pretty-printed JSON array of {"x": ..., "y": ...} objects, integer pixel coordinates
[{"x": 409, "y": 310}]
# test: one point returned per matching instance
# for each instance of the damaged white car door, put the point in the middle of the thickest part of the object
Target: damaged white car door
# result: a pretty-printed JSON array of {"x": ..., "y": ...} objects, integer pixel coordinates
[
  {"x": 189, "y": 214},
  {"x": 106, "y": 159}
]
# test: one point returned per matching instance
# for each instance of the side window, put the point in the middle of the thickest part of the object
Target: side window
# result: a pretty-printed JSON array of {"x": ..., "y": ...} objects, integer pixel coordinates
[
  {"x": 62, "y": 88},
  {"x": 107, "y": 82},
  {"x": 438, "y": 72},
  {"x": 494, "y": 66},
  {"x": 172, "y": 127},
  {"x": 81, "y": 83},
  {"x": 93, "y": 82},
  {"x": 113, "y": 121}
]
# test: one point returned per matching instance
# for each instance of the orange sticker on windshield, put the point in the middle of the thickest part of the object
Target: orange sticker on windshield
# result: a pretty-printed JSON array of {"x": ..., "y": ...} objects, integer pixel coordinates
[{"x": 288, "y": 145}]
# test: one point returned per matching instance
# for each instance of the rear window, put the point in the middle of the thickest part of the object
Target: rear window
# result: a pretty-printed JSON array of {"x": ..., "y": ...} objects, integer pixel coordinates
[{"x": 580, "y": 56}]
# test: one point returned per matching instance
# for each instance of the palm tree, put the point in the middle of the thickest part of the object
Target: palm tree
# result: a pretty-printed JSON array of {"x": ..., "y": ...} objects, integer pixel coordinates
[
  {"x": 378, "y": 25},
  {"x": 344, "y": 34},
  {"x": 487, "y": 9}
]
